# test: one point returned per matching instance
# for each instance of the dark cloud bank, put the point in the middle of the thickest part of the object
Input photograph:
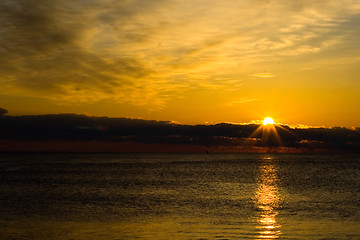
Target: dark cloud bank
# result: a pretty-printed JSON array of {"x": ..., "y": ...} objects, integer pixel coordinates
[
  {"x": 43, "y": 50},
  {"x": 71, "y": 132}
]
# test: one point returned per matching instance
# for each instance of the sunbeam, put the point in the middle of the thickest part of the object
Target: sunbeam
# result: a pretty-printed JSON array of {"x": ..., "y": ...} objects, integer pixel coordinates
[{"x": 267, "y": 134}]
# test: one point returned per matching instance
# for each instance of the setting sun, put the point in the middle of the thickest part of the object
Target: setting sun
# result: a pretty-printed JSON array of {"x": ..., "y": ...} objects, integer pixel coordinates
[{"x": 268, "y": 120}]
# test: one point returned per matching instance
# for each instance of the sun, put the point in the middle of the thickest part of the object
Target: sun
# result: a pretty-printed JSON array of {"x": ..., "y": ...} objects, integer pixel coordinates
[{"x": 268, "y": 120}]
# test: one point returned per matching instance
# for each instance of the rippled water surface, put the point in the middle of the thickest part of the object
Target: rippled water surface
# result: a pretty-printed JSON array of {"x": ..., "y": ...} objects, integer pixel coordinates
[{"x": 179, "y": 196}]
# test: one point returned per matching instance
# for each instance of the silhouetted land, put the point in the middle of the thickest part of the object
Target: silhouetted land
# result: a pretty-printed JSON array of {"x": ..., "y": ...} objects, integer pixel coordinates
[{"x": 65, "y": 132}]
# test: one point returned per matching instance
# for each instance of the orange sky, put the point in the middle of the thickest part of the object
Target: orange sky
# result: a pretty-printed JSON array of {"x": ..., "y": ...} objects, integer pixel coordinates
[{"x": 186, "y": 61}]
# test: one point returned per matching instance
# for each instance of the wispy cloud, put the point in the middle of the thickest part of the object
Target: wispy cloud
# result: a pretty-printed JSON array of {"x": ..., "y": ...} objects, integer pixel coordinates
[
  {"x": 146, "y": 52},
  {"x": 262, "y": 75}
]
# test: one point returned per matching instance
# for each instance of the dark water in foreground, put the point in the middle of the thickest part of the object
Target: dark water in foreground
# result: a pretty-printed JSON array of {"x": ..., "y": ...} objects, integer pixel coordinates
[{"x": 179, "y": 196}]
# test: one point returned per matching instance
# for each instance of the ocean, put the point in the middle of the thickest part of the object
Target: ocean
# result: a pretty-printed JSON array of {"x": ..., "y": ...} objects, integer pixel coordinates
[{"x": 179, "y": 196}]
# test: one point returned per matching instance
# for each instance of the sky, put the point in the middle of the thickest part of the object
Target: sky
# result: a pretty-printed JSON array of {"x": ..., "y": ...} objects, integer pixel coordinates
[{"x": 191, "y": 62}]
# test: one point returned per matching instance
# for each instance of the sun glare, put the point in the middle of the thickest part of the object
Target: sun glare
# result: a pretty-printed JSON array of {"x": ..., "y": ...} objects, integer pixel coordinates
[{"x": 268, "y": 120}]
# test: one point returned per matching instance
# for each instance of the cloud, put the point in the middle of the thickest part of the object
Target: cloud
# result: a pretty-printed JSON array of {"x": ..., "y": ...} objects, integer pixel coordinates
[
  {"x": 147, "y": 52},
  {"x": 3, "y": 111},
  {"x": 262, "y": 75},
  {"x": 46, "y": 50},
  {"x": 71, "y": 127}
]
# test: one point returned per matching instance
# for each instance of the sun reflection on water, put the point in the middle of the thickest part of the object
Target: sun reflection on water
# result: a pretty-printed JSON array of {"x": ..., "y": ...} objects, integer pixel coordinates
[{"x": 267, "y": 200}]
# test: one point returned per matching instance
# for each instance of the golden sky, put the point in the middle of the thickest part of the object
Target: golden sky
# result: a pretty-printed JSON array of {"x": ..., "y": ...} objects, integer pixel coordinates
[{"x": 189, "y": 61}]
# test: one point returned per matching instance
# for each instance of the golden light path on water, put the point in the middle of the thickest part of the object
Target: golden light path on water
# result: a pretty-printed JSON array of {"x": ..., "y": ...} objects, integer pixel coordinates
[{"x": 267, "y": 200}]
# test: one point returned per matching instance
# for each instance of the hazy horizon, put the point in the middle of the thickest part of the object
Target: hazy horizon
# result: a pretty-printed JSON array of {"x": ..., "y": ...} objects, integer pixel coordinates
[{"x": 81, "y": 133}]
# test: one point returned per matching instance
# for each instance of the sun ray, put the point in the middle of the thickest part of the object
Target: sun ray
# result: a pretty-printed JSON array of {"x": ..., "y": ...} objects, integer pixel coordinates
[
  {"x": 268, "y": 131},
  {"x": 277, "y": 136}
]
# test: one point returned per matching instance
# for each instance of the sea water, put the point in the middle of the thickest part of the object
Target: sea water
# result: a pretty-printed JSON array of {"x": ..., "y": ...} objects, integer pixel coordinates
[{"x": 179, "y": 196}]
